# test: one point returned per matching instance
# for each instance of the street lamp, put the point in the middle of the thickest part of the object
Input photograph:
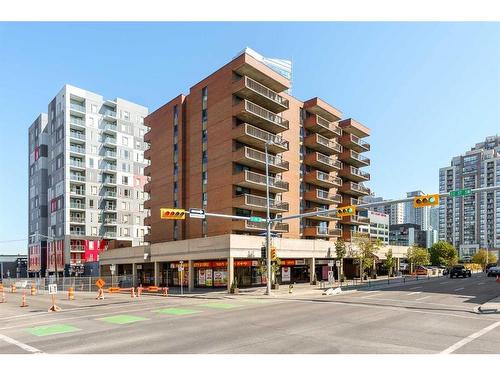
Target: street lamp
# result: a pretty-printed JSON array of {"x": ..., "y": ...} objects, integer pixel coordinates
[{"x": 268, "y": 220}]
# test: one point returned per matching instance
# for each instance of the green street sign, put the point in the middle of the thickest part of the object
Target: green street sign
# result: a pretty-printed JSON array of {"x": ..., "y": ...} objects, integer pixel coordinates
[
  {"x": 460, "y": 193},
  {"x": 256, "y": 219}
]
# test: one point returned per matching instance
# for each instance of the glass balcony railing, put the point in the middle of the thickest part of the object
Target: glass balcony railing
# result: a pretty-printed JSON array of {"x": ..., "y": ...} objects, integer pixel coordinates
[
  {"x": 75, "y": 163},
  {"x": 255, "y": 200},
  {"x": 276, "y": 161},
  {"x": 77, "y": 177},
  {"x": 77, "y": 205},
  {"x": 80, "y": 150},
  {"x": 77, "y": 107},
  {"x": 76, "y": 121},
  {"x": 77, "y": 135}
]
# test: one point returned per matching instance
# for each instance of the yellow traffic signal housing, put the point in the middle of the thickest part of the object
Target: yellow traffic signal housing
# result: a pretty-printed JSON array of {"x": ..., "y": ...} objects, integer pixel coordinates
[
  {"x": 346, "y": 211},
  {"x": 172, "y": 213},
  {"x": 273, "y": 254},
  {"x": 426, "y": 200}
]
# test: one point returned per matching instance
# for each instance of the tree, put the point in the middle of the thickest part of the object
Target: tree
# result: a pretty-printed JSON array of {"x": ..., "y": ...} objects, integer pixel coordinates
[
  {"x": 418, "y": 256},
  {"x": 443, "y": 253},
  {"x": 340, "y": 250},
  {"x": 482, "y": 257},
  {"x": 389, "y": 262},
  {"x": 366, "y": 249}
]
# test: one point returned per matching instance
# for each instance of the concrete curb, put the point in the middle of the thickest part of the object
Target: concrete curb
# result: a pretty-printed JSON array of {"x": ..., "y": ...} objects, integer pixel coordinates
[{"x": 490, "y": 307}]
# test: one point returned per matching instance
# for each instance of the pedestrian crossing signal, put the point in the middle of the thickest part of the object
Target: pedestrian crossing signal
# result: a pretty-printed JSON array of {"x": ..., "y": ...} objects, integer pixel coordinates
[
  {"x": 346, "y": 211},
  {"x": 426, "y": 200},
  {"x": 172, "y": 213}
]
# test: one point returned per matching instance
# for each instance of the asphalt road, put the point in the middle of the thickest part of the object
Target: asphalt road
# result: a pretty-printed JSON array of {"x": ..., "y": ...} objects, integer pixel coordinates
[{"x": 431, "y": 316}]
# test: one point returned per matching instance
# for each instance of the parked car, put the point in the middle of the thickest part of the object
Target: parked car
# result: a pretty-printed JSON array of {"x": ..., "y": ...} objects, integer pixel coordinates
[
  {"x": 422, "y": 271},
  {"x": 489, "y": 265},
  {"x": 493, "y": 271},
  {"x": 460, "y": 271},
  {"x": 444, "y": 270}
]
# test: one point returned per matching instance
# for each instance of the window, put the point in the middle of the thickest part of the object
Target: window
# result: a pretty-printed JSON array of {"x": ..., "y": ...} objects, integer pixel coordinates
[
  {"x": 94, "y": 190},
  {"x": 93, "y": 108},
  {"x": 91, "y": 203},
  {"x": 137, "y": 220},
  {"x": 94, "y": 233},
  {"x": 204, "y": 157},
  {"x": 141, "y": 207},
  {"x": 124, "y": 141},
  {"x": 204, "y": 177},
  {"x": 126, "y": 115},
  {"x": 204, "y": 197},
  {"x": 124, "y": 180},
  {"x": 91, "y": 121},
  {"x": 126, "y": 193},
  {"x": 91, "y": 162},
  {"x": 125, "y": 218}
]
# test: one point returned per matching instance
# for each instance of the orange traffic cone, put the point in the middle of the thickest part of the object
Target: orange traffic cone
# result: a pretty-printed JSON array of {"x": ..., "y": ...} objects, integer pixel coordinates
[
  {"x": 132, "y": 293},
  {"x": 23, "y": 301},
  {"x": 100, "y": 295},
  {"x": 13, "y": 288},
  {"x": 71, "y": 294},
  {"x": 139, "y": 291},
  {"x": 2, "y": 299},
  {"x": 165, "y": 292},
  {"x": 33, "y": 290}
]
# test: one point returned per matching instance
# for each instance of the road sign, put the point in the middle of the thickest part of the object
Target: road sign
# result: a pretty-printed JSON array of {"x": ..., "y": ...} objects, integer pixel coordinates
[
  {"x": 180, "y": 268},
  {"x": 112, "y": 268},
  {"x": 52, "y": 288},
  {"x": 331, "y": 279},
  {"x": 337, "y": 263},
  {"x": 256, "y": 219},
  {"x": 100, "y": 283},
  {"x": 460, "y": 193},
  {"x": 196, "y": 213},
  {"x": 330, "y": 264}
]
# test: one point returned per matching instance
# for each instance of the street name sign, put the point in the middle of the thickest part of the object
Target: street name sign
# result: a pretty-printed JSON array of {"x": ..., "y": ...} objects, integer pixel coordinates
[
  {"x": 196, "y": 213},
  {"x": 460, "y": 193}
]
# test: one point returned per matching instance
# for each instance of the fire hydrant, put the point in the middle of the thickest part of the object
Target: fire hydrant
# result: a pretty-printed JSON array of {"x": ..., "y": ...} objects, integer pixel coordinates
[{"x": 290, "y": 288}]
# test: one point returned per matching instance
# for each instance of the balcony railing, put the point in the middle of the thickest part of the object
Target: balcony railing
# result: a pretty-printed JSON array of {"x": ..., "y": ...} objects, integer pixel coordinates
[
  {"x": 359, "y": 157},
  {"x": 80, "y": 150},
  {"x": 109, "y": 207},
  {"x": 110, "y": 154},
  {"x": 77, "y": 232},
  {"x": 261, "y": 179},
  {"x": 109, "y": 113},
  {"x": 326, "y": 177},
  {"x": 75, "y": 163},
  {"x": 109, "y": 126},
  {"x": 77, "y": 135},
  {"x": 265, "y": 136},
  {"x": 77, "y": 177},
  {"x": 77, "y": 191},
  {"x": 109, "y": 234},
  {"x": 328, "y": 143},
  {"x": 359, "y": 172},
  {"x": 265, "y": 114},
  {"x": 276, "y": 161},
  {"x": 76, "y": 121},
  {"x": 77, "y": 248},
  {"x": 323, "y": 231},
  {"x": 255, "y": 200},
  {"x": 109, "y": 181},
  {"x": 109, "y": 167},
  {"x": 80, "y": 206},
  {"x": 359, "y": 187},
  {"x": 110, "y": 220},
  {"x": 77, "y": 107},
  {"x": 359, "y": 141},
  {"x": 281, "y": 227},
  {"x": 110, "y": 140},
  {"x": 108, "y": 193},
  {"x": 330, "y": 161},
  {"x": 74, "y": 219},
  {"x": 263, "y": 90}
]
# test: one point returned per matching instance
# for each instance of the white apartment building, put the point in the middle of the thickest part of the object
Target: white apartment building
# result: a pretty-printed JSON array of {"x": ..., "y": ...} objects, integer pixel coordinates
[
  {"x": 95, "y": 183},
  {"x": 378, "y": 229},
  {"x": 472, "y": 222},
  {"x": 395, "y": 210}
]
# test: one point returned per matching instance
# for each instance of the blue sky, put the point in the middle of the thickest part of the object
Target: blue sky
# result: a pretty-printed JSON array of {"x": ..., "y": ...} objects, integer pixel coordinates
[{"x": 428, "y": 91}]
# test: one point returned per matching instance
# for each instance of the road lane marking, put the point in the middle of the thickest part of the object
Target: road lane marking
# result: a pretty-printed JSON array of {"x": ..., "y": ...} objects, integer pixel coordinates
[
  {"x": 19, "y": 344},
  {"x": 415, "y": 287},
  {"x": 409, "y": 294},
  {"x": 470, "y": 338},
  {"x": 373, "y": 295},
  {"x": 372, "y": 291},
  {"x": 456, "y": 290},
  {"x": 421, "y": 298}
]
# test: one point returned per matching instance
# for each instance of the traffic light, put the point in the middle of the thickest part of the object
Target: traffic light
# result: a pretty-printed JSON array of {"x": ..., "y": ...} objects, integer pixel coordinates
[
  {"x": 273, "y": 254},
  {"x": 346, "y": 211},
  {"x": 426, "y": 200},
  {"x": 172, "y": 213},
  {"x": 263, "y": 253}
]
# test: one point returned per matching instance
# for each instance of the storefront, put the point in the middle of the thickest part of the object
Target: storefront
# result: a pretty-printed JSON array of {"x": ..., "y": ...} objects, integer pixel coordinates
[
  {"x": 145, "y": 274},
  {"x": 293, "y": 271},
  {"x": 248, "y": 273},
  {"x": 174, "y": 272},
  {"x": 210, "y": 274},
  {"x": 323, "y": 266}
]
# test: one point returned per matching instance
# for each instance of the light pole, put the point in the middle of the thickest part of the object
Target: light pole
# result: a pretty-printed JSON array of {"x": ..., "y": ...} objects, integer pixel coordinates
[{"x": 268, "y": 221}]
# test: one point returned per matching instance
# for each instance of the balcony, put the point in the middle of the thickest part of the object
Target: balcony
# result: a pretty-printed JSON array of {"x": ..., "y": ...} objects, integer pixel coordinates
[
  {"x": 249, "y": 226},
  {"x": 109, "y": 234},
  {"x": 109, "y": 167},
  {"x": 322, "y": 162},
  {"x": 76, "y": 177},
  {"x": 353, "y": 188},
  {"x": 322, "y": 179},
  {"x": 247, "y": 88},
  {"x": 355, "y": 220},
  {"x": 354, "y": 174},
  {"x": 109, "y": 141},
  {"x": 109, "y": 114},
  {"x": 109, "y": 128},
  {"x": 109, "y": 154},
  {"x": 76, "y": 122},
  {"x": 77, "y": 136},
  {"x": 253, "y": 180},
  {"x": 109, "y": 194},
  {"x": 252, "y": 68},
  {"x": 77, "y": 107},
  {"x": 76, "y": 164},
  {"x": 318, "y": 124},
  {"x": 321, "y": 232},
  {"x": 257, "y": 115},
  {"x": 257, "y": 138},
  {"x": 322, "y": 197},
  {"x": 257, "y": 159},
  {"x": 76, "y": 149},
  {"x": 76, "y": 191},
  {"x": 110, "y": 221},
  {"x": 354, "y": 143},
  {"x": 77, "y": 248},
  {"x": 258, "y": 203},
  {"x": 322, "y": 144},
  {"x": 77, "y": 233},
  {"x": 319, "y": 107},
  {"x": 77, "y": 206},
  {"x": 322, "y": 216},
  {"x": 351, "y": 126},
  {"x": 109, "y": 207},
  {"x": 109, "y": 181},
  {"x": 77, "y": 219},
  {"x": 353, "y": 158}
]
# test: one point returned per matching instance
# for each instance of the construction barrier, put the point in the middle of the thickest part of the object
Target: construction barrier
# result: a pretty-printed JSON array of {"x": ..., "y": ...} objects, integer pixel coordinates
[
  {"x": 153, "y": 289},
  {"x": 33, "y": 290},
  {"x": 2, "y": 294},
  {"x": 132, "y": 293},
  {"x": 114, "y": 290},
  {"x": 13, "y": 288},
  {"x": 165, "y": 292},
  {"x": 23, "y": 301},
  {"x": 100, "y": 294},
  {"x": 71, "y": 294}
]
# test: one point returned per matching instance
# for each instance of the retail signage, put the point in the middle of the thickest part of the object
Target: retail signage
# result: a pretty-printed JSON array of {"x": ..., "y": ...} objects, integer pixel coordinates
[
  {"x": 208, "y": 278},
  {"x": 285, "y": 273},
  {"x": 300, "y": 262},
  {"x": 288, "y": 262},
  {"x": 201, "y": 277}
]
